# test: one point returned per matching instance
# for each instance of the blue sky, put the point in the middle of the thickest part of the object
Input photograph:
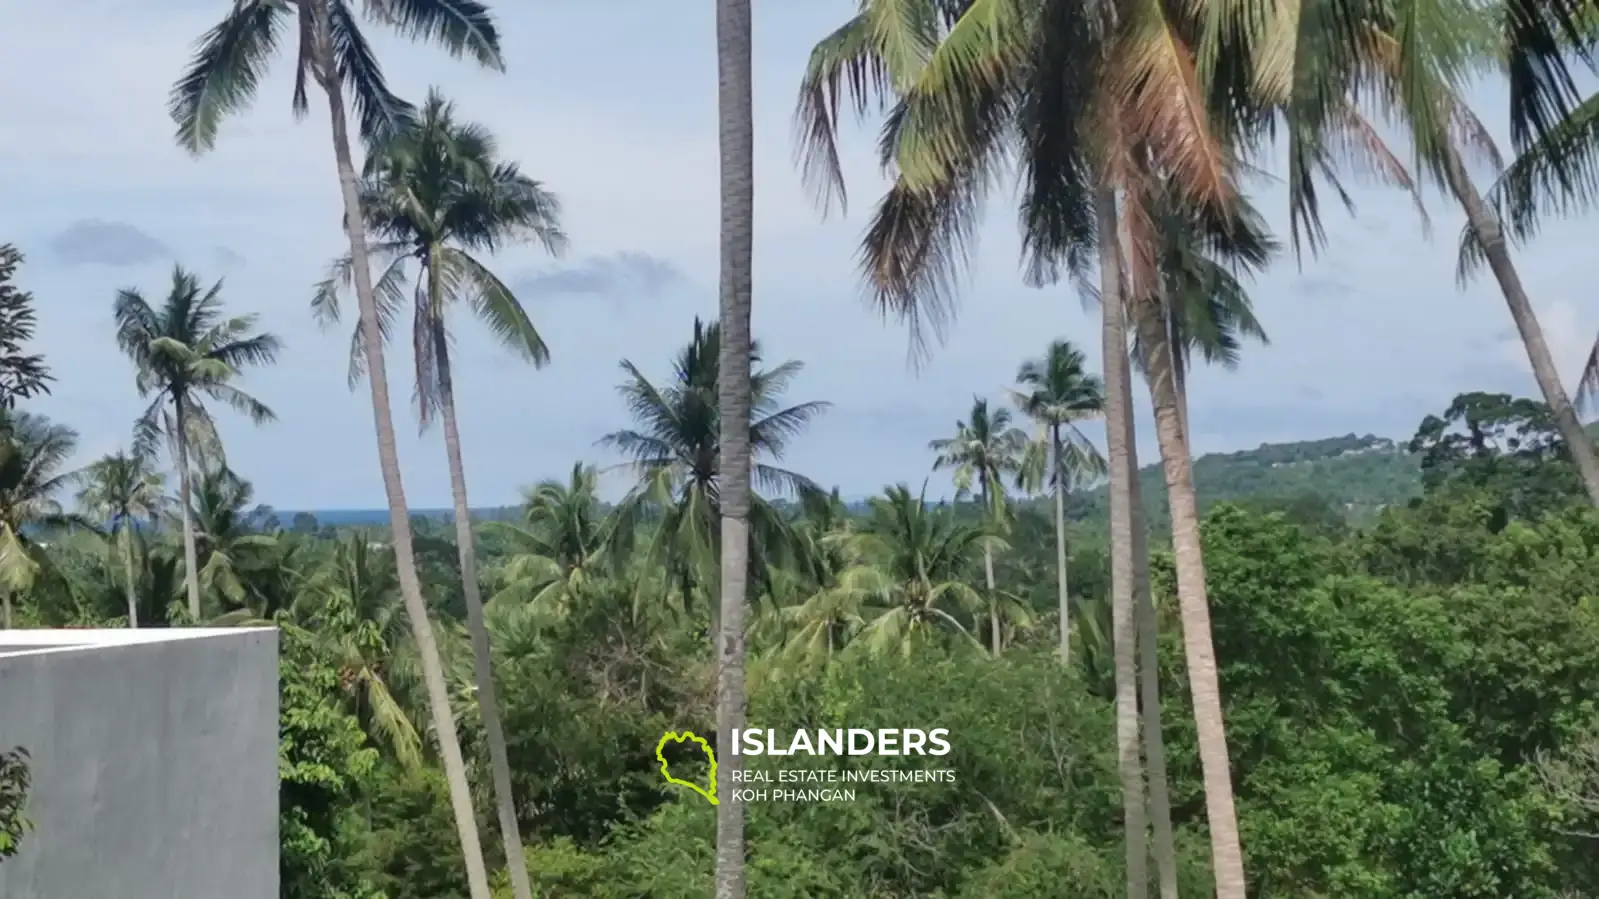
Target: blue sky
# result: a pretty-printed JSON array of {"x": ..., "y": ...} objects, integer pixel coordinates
[{"x": 613, "y": 106}]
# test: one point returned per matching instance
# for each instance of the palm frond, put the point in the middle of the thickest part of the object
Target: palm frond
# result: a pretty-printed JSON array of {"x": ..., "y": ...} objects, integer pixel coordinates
[
  {"x": 228, "y": 64},
  {"x": 461, "y": 27}
]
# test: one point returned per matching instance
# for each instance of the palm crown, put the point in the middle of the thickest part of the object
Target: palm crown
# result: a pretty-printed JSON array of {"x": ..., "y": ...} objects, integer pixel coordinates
[
  {"x": 985, "y": 449},
  {"x": 230, "y": 60},
  {"x": 675, "y": 447},
  {"x": 1057, "y": 393},
  {"x": 33, "y": 452},
  {"x": 187, "y": 351},
  {"x": 677, "y": 430},
  {"x": 436, "y": 192},
  {"x": 121, "y": 489}
]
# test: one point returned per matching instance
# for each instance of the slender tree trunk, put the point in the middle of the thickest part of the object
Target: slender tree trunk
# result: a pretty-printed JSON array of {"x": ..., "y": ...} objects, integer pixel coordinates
[
  {"x": 993, "y": 601},
  {"x": 1227, "y": 860},
  {"x": 1492, "y": 237},
  {"x": 988, "y": 576},
  {"x": 5, "y": 605},
  {"x": 1180, "y": 385},
  {"x": 714, "y": 606},
  {"x": 127, "y": 570},
  {"x": 1060, "y": 547},
  {"x": 191, "y": 556},
  {"x": 482, "y": 657},
  {"x": 1118, "y": 414},
  {"x": 1164, "y": 846},
  {"x": 736, "y": 133},
  {"x": 389, "y": 462}
]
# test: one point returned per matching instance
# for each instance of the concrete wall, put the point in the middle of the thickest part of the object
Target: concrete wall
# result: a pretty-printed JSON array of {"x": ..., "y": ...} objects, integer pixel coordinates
[{"x": 154, "y": 767}]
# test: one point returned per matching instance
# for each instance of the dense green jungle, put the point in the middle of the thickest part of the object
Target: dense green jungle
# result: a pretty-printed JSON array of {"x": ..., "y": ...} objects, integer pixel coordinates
[
  {"x": 1356, "y": 667},
  {"x": 1408, "y": 634}
]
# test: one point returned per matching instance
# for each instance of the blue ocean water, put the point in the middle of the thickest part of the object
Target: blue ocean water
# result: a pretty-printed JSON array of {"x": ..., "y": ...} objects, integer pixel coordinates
[
  {"x": 374, "y": 517},
  {"x": 380, "y": 517}
]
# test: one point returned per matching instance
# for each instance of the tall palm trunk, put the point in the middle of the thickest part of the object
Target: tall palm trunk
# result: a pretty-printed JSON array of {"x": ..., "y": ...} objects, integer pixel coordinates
[
  {"x": 1060, "y": 547},
  {"x": 1227, "y": 859},
  {"x": 1492, "y": 237},
  {"x": 389, "y": 463},
  {"x": 127, "y": 571},
  {"x": 988, "y": 575},
  {"x": 1180, "y": 385},
  {"x": 1118, "y": 417},
  {"x": 191, "y": 555},
  {"x": 1164, "y": 845},
  {"x": 736, "y": 136},
  {"x": 482, "y": 659}
]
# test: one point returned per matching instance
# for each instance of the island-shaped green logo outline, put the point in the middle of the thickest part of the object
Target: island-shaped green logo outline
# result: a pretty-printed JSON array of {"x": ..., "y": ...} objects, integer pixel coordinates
[{"x": 660, "y": 756}]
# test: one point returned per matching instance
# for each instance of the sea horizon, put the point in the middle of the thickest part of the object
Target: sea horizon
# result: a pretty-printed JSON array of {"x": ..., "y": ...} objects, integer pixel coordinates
[{"x": 377, "y": 516}]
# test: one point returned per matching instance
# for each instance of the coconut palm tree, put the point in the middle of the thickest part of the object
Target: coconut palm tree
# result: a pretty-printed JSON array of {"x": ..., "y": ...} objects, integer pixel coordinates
[
  {"x": 1543, "y": 180},
  {"x": 220, "y": 80},
  {"x": 736, "y": 407},
  {"x": 1413, "y": 70},
  {"x": 1057, "y": 392},
  {"x": 985, "y": 450},
  {"x": 121, "y": 490},
  {"x": 435, "y": 191},
  {"x": 824, "y": 622},
  {"x": 1202, "y": 270},
  {"x": 184, "y": 353},
  {"x": 561, "y": 542},
  {"x": 33, "y": 451},
  {"x": 23, "y": 375},
  {"x": 1098, "y": 109},
  {"x": 915, "y": 558},
  {"x": 674, "y": 452},
  {"x": 355, "y": 608},
  {"x": 231, "y": 549}
]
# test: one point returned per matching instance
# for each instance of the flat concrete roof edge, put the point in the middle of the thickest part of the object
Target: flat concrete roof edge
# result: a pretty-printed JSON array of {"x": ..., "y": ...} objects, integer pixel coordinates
[{"x": 34, "y": 641}]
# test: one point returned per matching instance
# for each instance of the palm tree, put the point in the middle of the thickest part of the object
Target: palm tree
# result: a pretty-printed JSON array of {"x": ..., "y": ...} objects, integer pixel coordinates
[
  {"x": 230, "y": 549},
  {"x": 736, "y": 401},
  {"x": 1057, "y": 392},
  {"x": 1097, "y": 109},
  {"x": 33, "y": 451},
  {"x": 184, "y": 353},
  {"x": 122, "y": 489},
  {"x": 356, "y": 610},
  {"x": 561, "y": 542},
  {"x": 220, "y": 80},
  {"x": 1538, "y": 181},
  {"x": 916, "y": 558},
  {"x": 23, "y": 375},
  {"x": 436, "y": 191},
  {"x": 1202, "y": 266},
  {"x": 985, "y": 450},
  {"x": 674, "y": 450}
]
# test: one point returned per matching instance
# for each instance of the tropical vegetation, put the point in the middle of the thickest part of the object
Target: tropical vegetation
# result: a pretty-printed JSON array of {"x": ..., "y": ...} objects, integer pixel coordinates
[{"x": 1348, "y": 667}]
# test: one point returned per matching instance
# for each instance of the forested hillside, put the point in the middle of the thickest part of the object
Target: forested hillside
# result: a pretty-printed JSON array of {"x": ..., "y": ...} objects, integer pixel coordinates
[
  {"x": 1348, "y": 668},
  {"x": 1352, "y": 475}
]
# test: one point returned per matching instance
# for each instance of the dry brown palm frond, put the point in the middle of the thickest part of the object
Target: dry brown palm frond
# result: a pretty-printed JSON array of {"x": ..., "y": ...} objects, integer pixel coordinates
[
  {"x": 1154, "y": 79},
  {"x": 1352, "y": 138},
  {"x": 1472, "y": 136},
  {"x": 913, "y": 255},
  {"x": 1140, "y": 238}
]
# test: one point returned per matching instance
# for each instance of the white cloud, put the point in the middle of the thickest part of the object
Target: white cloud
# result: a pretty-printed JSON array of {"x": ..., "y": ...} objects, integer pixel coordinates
[
  {"x": 1568, "y": 331},
  {"x": 613, "y": 107}
]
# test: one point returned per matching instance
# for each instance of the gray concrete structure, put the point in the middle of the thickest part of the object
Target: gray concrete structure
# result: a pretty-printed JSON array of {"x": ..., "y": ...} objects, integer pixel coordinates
[{"x": 154, "y": 762}]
